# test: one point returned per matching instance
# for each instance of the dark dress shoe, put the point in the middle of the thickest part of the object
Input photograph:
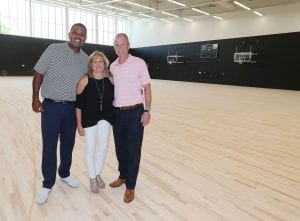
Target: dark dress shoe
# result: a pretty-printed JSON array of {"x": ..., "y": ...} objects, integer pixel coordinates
[
  {"x": 117, "y": 182},
  {"x": 129, "y": 195}
]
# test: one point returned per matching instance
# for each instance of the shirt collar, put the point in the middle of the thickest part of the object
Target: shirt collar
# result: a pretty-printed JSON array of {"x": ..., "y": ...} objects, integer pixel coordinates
[
  {"x": 70, "y": 50},
  {"x": 128, "y": 60}
]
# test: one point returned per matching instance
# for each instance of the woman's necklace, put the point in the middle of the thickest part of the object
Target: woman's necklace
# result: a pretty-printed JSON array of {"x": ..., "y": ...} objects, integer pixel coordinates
[{"x": 100, "y": 94}]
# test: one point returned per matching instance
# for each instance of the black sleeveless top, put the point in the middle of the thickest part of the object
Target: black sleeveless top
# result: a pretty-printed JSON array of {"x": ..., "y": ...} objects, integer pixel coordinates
[{"x": 89, "y": 102}]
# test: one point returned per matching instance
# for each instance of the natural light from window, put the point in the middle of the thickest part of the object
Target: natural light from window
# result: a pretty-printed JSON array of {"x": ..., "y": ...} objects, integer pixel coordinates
[{"x": 46, "y": 20}]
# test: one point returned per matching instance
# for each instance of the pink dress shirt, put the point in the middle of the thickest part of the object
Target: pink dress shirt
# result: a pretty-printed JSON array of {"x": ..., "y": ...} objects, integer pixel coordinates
[{"x": 129, "y": 79}]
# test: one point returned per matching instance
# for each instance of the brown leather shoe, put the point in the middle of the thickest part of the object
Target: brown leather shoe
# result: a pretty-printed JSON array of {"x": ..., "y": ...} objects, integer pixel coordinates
[
  {"x": 129, "y": 195},
  {"x": 118, "y": 182}
]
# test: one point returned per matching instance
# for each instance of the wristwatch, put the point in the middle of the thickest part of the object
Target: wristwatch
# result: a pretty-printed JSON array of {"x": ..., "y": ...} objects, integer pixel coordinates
[{"x": 146, "y": 110}]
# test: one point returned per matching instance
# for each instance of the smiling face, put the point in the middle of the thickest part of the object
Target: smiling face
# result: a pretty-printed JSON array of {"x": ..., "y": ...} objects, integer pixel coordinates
[
  {"x": 77, "y": 37},
  {"x": 121, "y": 46},
  {"x": 98, "y": 65}
]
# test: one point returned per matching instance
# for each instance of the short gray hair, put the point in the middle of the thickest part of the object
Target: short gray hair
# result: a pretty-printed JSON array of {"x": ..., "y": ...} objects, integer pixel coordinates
[{"x": 124, "y": 35}]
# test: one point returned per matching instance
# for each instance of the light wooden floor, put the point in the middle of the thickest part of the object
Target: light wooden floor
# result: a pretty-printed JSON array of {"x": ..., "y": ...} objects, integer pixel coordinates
[{"x": 211, "y": 152}]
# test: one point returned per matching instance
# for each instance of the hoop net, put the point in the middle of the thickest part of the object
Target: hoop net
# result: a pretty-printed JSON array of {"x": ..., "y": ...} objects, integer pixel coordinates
[{"x": 241, "y": 60}]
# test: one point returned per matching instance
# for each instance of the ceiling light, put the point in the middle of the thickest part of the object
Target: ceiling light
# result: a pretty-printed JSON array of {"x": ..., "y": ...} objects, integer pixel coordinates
[
  {"x": 218, "y": 18},
  {"x": 88, "y": 1},
  {"x": 241, "y": 5},
  {"x": 259, "y": 14},
  {"x": 165, "y": 20},
  {"x": 107, "y": 2},
  {"x": 67, "y": 2},
  {"x": 147, "y": 16},
  {"x": 186, "y": 19},
  {"x": 177, "y": 3},
  {"x": 166, "y": 13},
  {"x": 97, "y": 9},
  {"x": 121, "y": 9},
  {"x": 136, "y": 4},
  {"x": 202, "y": 12}
]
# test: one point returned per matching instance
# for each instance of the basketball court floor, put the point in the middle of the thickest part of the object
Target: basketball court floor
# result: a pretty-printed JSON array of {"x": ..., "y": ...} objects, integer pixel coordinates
[{"x": 211, "y": 153}]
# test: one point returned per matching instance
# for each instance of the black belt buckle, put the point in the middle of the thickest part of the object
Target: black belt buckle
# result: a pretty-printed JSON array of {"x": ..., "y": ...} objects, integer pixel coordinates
[{"x": 64, "y": 102}]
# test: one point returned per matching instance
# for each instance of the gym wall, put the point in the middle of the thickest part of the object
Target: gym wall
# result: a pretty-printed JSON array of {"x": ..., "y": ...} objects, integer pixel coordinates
[
  {"x": 277, "y": 64},
  {"x": 276, "y": 20},
  {"x": 18, "y": 55}
]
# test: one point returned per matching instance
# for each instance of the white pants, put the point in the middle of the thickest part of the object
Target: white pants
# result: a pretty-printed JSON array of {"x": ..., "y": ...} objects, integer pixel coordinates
[{"x": 96, "y": 142}]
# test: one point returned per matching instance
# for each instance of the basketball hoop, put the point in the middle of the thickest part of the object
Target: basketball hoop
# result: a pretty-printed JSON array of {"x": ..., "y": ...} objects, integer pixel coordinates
[{"x": 241, "y": 60}]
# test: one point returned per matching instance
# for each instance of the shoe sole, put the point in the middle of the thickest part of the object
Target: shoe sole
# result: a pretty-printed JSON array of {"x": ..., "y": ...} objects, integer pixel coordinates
[
  {"x": 42, "y": 203},
  {"x": 69, "y": 184},
  {"x": 45, "y": 200},
  {"x": 95, "y": 191},
  {"x": 114, "y": 186},
  {"x": 127, "y": 201}
]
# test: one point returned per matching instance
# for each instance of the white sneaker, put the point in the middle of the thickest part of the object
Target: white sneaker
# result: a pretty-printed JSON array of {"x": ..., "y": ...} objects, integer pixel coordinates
[
  {"x": 43, "y": 195},
  {"x": 72, "y": 182}
]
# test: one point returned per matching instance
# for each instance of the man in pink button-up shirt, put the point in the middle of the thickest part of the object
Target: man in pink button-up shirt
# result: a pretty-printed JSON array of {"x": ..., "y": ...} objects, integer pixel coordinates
[{"x": 132, "y": 112}]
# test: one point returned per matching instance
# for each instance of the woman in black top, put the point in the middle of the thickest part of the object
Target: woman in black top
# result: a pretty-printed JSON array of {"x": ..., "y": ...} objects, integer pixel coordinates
[{"x": 95, "y": 94}]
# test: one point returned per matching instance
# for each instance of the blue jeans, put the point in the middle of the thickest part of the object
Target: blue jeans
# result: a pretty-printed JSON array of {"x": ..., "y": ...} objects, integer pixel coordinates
[
  {"x": 128, "y": 135},
  {"x": 58, "y": 121}
]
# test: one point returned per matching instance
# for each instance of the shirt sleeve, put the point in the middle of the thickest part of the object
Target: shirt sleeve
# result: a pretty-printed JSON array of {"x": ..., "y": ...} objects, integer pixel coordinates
[
  {"x": 80, "y": 101},
  {"x": 145, "y": 77},
  {"x": 42, "y": 65}
]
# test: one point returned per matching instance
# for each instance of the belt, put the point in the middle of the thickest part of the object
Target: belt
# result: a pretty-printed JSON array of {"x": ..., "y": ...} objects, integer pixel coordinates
[
  {"x": 130, "y": 107},
  {"x": 60, "y": 101}
]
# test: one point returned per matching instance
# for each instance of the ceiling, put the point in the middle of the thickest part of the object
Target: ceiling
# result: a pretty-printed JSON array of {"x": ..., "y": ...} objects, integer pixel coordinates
[{"x": 166, "y": 10}]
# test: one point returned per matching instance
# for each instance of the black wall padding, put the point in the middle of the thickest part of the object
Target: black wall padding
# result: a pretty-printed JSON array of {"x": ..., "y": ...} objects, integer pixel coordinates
[
  {"x": 277, "y": 62},
  {"x": 18, "y": 55}
]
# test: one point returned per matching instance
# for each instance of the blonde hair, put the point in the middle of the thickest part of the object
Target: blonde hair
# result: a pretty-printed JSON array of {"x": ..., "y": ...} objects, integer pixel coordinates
[{"x": 91, "y": 59}]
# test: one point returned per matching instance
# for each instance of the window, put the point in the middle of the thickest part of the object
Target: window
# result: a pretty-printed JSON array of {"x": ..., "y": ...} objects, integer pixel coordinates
[
  {"x": 48, "y": 20},
  {"x": 13, "y": 18}
]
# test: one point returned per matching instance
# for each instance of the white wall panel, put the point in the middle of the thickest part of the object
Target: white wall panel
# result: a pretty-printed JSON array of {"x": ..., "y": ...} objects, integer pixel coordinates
[{"x": 275, "y": 20}]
